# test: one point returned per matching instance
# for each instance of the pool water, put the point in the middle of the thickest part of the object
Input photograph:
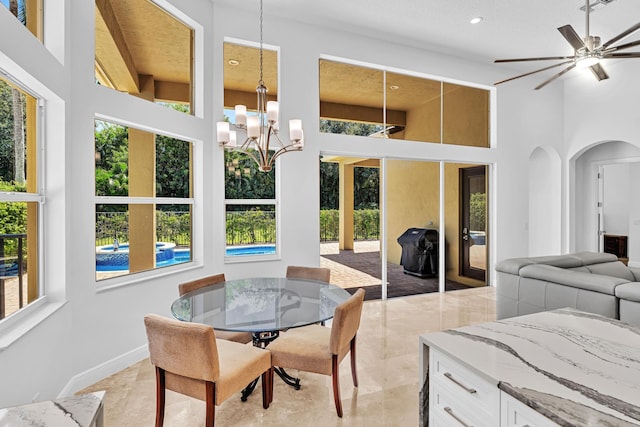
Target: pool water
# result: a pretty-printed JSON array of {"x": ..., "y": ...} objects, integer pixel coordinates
[{"x": 178, "y": 256}]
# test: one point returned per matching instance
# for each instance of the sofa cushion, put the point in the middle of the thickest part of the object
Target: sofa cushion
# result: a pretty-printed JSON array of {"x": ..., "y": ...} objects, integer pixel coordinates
[
  {"x": 581, "y": 268},
  {"x": 636, "y": 273},
  {"x": 576, "y": 279},
  {"x": 562, "y": 261},
  {"x": 615, "y": 269},
  {"x": 588, "y": 258},
  {"x": 513, "y": 265},
  {"x": 629, "y": 291}
]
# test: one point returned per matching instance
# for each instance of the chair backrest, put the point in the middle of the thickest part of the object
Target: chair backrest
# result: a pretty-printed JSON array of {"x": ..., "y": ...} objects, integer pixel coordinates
[
  {"x": 346, "y": 321},
  {"x": 182, "y": 348},
  {"x": 313, "y": 273},
  {"x": 187, "y": 287}
]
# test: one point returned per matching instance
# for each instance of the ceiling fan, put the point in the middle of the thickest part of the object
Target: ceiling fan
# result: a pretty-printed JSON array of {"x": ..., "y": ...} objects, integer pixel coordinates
[{"x": 588, "y": 52}]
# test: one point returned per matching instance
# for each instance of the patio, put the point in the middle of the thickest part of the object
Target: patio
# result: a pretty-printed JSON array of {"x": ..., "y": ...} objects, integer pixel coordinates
[{"x": 362, "y": 266}]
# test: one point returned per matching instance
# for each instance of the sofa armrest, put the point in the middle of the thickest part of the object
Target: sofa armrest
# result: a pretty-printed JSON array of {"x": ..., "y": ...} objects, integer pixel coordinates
[
  {"x": 512, "y": 265},
  {"x": 575, "y": 279}
]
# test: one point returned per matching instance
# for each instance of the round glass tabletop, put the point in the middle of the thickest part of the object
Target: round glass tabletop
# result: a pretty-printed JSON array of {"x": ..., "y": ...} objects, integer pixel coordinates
[{"x": 260, "y": 304}]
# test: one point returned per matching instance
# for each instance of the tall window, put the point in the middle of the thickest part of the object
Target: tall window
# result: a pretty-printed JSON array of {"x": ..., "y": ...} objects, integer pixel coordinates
[
  {"x": 250, "y": 195},
  {"x": 20, "y": 198},
  {"x": 143, "y": 200},
  {"x": 144, "y": 51}
]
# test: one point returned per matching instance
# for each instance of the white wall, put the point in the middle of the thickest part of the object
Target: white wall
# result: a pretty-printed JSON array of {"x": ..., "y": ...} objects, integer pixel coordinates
[
  {"x": 545, "y": 202},
  {"x": 99, "y": 330},
  {"x": 634, "y": 219},
  {"x": 596, "y": 113},
  {"x": 616, "y": 200}
]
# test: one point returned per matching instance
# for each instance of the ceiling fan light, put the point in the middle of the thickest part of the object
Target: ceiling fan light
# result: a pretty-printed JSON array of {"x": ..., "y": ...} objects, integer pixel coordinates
[{"x": 587, "y": 61}]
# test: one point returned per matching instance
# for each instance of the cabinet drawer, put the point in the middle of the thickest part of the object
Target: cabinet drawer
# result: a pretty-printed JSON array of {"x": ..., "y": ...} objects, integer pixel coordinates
[
  {"x": 469, "y": 388},
  {"x": 446, "y": 409},
  {"x": 516, "y": 414}
]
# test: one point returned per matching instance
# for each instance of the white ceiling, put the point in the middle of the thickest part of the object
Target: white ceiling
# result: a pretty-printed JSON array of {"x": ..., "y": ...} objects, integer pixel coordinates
[{"x": 510, "y": 29}]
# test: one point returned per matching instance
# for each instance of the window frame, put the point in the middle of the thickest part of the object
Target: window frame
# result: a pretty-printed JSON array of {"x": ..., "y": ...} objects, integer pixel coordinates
[
  {"x": 238, "y": 202},
  {"x": 491, "y": 95},
  {"x": 196, "y": 246},
  {"x": 9, "y": 322}
]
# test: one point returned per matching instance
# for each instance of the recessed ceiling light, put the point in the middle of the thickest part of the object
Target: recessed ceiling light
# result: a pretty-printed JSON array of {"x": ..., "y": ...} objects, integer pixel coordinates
[
  {"x": 233, "y": 62},
  {"x": 476, "y": 20},
  {"x": 394, "y": 87}
]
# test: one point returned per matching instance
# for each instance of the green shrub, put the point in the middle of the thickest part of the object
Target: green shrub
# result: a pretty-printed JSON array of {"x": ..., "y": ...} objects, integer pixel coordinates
[{"x": 366, "y": 224}]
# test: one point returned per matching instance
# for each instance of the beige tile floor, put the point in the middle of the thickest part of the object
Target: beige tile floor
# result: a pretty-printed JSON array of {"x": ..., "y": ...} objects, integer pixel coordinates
[{"x": 387, "y": 357}]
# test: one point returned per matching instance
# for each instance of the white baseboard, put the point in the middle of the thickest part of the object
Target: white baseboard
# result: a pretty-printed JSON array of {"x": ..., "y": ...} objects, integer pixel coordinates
[
  {"x": 634, "y": 264},
  {"x": 97, "y": 373}
]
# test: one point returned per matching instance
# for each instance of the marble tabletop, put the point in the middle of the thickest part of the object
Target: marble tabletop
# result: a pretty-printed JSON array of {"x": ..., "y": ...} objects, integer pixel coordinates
[
  {"x": 85, "y": 410},
  {"x": 575, "y": 368}
]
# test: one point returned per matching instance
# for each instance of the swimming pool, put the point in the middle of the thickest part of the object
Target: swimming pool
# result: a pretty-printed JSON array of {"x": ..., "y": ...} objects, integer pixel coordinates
[{"x": 108, "y": 259}]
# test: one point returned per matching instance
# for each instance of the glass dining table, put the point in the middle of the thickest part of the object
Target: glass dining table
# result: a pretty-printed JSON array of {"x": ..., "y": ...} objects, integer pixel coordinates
[{"x": 263, "y": 306}]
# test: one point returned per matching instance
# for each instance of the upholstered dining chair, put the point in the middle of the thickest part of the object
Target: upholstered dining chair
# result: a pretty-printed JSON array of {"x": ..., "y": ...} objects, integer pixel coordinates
[
  {"x": 313, "y": 273},
  {"x": 320, "y": 349},
  {"x": 186, "y": 287},
  {"x": 190, "y": 360}
]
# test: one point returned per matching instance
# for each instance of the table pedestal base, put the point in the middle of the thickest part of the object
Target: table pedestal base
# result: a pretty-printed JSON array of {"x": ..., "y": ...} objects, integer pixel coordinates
[
  {"x": 262, "y": 339},
  {"x": 288, "y": 379}
]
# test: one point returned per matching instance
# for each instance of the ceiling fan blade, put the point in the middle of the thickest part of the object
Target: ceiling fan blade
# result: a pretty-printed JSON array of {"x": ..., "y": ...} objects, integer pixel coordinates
[
  {"x": 533, "y": 72},
  {"x": 561, "y": 73},
  {"x": 622, "y": 35},
  {"x": 571, "y": 36},
  {"x": 599, "y": 72},
  {"x": 623, "y": 55},
  {"x": 623, "y": 46},
  {"x": 542, "y": 58}
]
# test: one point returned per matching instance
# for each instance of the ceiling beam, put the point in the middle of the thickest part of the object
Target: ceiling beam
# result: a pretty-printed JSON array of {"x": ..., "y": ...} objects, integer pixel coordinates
[
  {"x": 113, "y": 58},
  {"x": 239, "y": 97},
  {"x": 357, "y": 113},
  {"x": 173, "y": 92}
]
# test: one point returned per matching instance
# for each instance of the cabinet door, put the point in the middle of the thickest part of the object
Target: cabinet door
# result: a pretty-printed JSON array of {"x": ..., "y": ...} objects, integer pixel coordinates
[{"x": 516, "y": 414}]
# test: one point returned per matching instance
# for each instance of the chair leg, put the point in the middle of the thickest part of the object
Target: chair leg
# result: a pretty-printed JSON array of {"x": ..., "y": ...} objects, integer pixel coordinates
[
  {"x": 352, "y": 350},
  {"x": 267, "y": 388},
  {"x": 160, "y": 393},
  {"x": 335, "y": 373},
  {"x": 271, "y": 383},
  {"x": 211, "y": 404}
]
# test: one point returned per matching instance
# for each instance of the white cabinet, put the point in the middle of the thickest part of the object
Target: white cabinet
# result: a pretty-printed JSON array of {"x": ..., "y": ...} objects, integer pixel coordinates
[
  {"x": 516, "y": 414},
  {"x": 459, "y": 397}
]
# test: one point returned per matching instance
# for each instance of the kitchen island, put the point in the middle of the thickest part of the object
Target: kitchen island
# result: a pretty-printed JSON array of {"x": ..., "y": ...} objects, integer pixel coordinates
[{"x": 563, "y": 367}]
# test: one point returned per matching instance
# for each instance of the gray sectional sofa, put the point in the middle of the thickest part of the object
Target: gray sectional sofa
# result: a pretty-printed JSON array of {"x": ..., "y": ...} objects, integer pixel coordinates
[{"x": 588, "y": 281}]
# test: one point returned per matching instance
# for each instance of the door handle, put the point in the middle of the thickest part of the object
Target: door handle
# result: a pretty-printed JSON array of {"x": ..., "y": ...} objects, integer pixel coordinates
[{"x": 465, "y": 233}]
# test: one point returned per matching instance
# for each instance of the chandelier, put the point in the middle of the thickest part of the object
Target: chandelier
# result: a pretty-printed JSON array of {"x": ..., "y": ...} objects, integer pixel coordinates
[{"x": 261, "y": 130}]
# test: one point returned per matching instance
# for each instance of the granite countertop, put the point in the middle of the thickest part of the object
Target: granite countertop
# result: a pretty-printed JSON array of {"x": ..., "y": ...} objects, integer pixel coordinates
[
  {"x": 73, "y": 411},
  {"x": 575, "y": 368}
]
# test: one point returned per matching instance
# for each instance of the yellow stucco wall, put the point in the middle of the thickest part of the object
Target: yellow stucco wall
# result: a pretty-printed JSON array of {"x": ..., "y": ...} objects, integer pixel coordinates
[
  {"x": 412, "y": 200},
  {"x": 423, "y": 122},
  {"x": 465, "y": 116},
  {"x": 413, "y": 189}
]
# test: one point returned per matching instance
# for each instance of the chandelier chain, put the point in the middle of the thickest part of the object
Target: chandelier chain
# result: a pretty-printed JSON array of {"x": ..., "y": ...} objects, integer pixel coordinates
[{"x": 261, "y": 80}]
